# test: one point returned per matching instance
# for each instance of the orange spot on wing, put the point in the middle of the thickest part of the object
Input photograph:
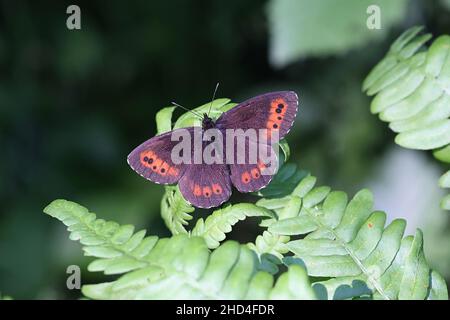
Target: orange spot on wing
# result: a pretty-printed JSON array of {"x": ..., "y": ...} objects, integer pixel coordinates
[
  {"x": 156, "y": 164},
  {"x": 261, "y": 165},
  {"x": 207, "y": 192},
  {"x": 173, "y": 171},
  {"x": 272, "y": 125},
  {"x": 278, "y": 108},
  {"x": 217, "y": 188},
  {"x": 164, "y": 168},
  {"x": 274, "y": 118},
  {"x": 245, "y": 177},
  {"x": 370, "y": 225},
  {"x": 197, "y": 190},
  {"x": 147, "y": 158},
  {"x": 278, "y": 103},
  {"x": 255, "y": 173},
  {"x": 269, "y": 124}
]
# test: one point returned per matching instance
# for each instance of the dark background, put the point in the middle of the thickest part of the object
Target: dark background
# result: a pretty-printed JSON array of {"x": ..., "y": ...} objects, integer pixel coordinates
[{"x": 74, "y": 103}]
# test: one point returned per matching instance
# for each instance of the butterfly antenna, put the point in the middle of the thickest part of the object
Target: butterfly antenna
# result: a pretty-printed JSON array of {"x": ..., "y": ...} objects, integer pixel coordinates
[
  {"x": 192, "y": 111},
  {"x": 213, "y": 97}
]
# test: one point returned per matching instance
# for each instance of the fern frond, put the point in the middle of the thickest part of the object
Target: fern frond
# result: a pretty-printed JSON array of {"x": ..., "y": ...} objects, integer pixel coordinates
[
  {"x": 175, "y": 210},
  {"x": 349, "y": 242},
  {"x": 411, "y": 85},
  {"x": 287, "y": 177},
  {"x": 221, "y": 221},
  {"x": 164, "y": 120},
  {"x": 117, "y": 248},
  {"x": 181, "y": 267},
  {"x": 270, "y": 247}
]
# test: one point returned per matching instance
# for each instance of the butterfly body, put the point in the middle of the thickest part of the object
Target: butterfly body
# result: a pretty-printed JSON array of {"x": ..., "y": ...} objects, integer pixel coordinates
[
  {"x": 207, "y": 185},
  {"x": 207, "y": 122}
]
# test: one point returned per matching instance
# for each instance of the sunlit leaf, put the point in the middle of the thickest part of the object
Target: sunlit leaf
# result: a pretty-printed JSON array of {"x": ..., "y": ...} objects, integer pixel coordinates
[{"x": 302, "y": 28}]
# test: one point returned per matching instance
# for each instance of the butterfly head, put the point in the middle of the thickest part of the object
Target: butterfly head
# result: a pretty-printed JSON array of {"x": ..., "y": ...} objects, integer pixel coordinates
[{"x": 207, "y": 122}]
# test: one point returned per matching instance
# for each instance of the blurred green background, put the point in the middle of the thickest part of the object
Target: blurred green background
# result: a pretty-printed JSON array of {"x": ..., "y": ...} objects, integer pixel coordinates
[{"x": 73, "y": 104}]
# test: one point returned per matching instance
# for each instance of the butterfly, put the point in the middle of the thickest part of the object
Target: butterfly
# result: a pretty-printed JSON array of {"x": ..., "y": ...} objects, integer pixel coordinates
[{"x": 209, "y": 185}]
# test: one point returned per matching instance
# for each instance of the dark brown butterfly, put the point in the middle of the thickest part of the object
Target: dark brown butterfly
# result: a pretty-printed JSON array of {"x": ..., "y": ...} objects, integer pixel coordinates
[{"x": 209, "y": 185}]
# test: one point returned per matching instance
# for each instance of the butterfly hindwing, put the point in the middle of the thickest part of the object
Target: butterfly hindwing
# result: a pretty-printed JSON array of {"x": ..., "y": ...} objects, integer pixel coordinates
[
  {"x": 152, "y": 160},
  {"x": 257, "y": 169},
  {"x": 206, "y": 186},
  {"x": 271, "y": 111}
]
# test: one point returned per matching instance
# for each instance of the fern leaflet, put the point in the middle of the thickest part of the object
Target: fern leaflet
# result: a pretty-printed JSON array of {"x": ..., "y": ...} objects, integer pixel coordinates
[
  {"x": 349, "y": 243},
  {"x": 221, "y": 221},
  {"x": 411, "y": 85}
]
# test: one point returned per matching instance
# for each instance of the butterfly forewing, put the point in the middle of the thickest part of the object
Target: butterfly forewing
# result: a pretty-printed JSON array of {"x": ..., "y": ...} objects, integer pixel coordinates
[
  {"x": 273, "y": 111},
  {"x": 152, "y": 159}
]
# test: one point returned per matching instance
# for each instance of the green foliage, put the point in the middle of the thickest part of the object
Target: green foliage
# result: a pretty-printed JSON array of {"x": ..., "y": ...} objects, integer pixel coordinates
[
  {"x": 175, "y": 211},
  {"x": 411, "y": 85},
  {"x": 444, "y": 182},
  {"x": 284, "y": 181},
  {"x": 300, "y": 28},
  {"x": 345, "y": 247},
  {"x": 180, "y": 267},
  {"x": 348, "y": 245},
  {"x": 221, "y": 221}
]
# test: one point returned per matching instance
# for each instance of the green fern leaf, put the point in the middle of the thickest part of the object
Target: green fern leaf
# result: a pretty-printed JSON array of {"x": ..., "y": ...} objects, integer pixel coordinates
[
  {"x": 119, "y": 249},
  {"x": 175, "y": 210},
  {"x": 442, "y": 154},
  {"x": 181, "y": 267},
  {"x": 412, "y": 93},
  {"x": 411, "y": 85},
  {"x": 349, "y": 243},
  {"x": 271, "y": 246},
  {"x": 164, "y": 120},
  {"x": 221, "y": 221},
  {"x": 287, "y": 177}
]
